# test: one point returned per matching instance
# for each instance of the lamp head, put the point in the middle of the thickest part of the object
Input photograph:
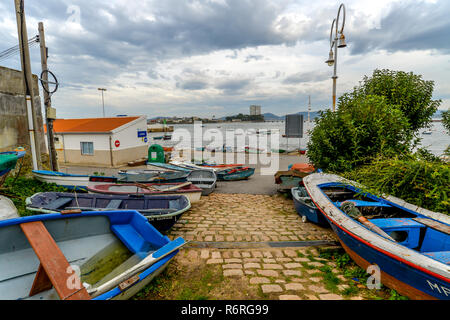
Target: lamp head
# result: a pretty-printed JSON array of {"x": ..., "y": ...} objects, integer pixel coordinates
[
  {"x": 342, "y": 43},
  {"x": 330, "y": 60}
]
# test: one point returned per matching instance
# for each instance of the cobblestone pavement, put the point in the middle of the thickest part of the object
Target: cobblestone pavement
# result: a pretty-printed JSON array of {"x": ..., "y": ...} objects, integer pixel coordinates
[
  {"x": 295, "y": 273},
  {"x": 244, "y": 217}
]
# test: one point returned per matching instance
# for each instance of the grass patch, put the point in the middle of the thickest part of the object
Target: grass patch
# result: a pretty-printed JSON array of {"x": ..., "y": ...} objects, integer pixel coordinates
[{"x": 21, "y": 188}]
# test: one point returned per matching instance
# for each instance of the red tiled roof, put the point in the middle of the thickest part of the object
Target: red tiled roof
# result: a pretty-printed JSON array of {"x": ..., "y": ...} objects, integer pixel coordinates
[{"x": 89, "y": 124}]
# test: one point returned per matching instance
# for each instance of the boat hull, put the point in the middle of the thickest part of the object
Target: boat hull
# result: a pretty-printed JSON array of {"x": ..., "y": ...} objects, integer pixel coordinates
[
  {"x": 73, "y": 182},
  {"x": 415, "y": 269},
  {"x": 406, "y": 280},
  {"x": 162, "y": 211},
  {"x": 310, "y": 211},
  {"x": 235, "y": 176},
  {"x": 84, "y": 240},
  {"x": 191, "y": 192}
]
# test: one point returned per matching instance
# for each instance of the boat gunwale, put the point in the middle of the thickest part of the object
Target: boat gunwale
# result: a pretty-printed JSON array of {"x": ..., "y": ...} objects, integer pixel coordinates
[
  {"x": 377, "y": 242},
  {"x": 114, "y": 291}
]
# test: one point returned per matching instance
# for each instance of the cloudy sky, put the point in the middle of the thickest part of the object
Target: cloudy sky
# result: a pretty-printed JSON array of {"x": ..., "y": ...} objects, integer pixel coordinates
[{"x": 217, "y": 57}]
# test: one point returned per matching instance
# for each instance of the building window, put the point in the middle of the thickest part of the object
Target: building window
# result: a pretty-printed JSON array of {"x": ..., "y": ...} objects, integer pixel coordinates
[{"x": 87, "y": 148}]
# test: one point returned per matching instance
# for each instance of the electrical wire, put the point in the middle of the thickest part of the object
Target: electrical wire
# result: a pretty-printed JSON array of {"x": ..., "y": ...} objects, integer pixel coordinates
[{"x": 16, "y": 49}]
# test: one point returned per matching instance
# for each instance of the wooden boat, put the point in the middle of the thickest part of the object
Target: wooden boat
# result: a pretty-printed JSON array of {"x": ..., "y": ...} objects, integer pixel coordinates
[
  {"x": 139, "y": 162},
  {"x": 409, "y": 244},
  {"x": 220, "y": 166},
  {"x": 8, "y": 161},
  {"x": 192, "y": 192},
  {"x": 71, "y": 181},
  {"x": 234, "y": 174},
  {"x": 158, "y": 138},
  {"x": 117, "y": 253},
  {"x": 203, "y": 178},
  {"x": 306, "y": 209},
  {"x": 162, "y": 211},
  {"x": 151, "y": 176},
  {"x": 7, "y": 209},
  {"x": 253, "y": 150},
  {"x": 293, "y": 177},
  {"x": 170, "y": 166}
]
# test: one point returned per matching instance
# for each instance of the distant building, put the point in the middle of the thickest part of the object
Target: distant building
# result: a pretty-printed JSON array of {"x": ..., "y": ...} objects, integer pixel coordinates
[
  {"x": 255, "y": 110},
  {"x": 106, "y": 142}
]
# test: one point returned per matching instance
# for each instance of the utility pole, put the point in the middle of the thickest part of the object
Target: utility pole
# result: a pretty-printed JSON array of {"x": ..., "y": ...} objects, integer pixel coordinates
[
  {"x": 28, "y": 83},
  {"x": 49, "y": 111},
  {"x": 103, "y": 101}
]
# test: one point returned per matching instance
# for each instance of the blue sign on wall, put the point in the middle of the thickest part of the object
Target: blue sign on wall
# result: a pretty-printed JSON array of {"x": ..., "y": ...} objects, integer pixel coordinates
[{"x": 142, "y": 134}]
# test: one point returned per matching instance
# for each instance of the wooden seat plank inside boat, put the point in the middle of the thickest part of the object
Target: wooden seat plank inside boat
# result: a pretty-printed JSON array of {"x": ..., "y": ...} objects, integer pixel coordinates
[
  {"x": 434, "y": 224},
  {"x": 59, "y": 203},
  {"x": 53, "y": 263},
  {"x": 114, "y": 204}
]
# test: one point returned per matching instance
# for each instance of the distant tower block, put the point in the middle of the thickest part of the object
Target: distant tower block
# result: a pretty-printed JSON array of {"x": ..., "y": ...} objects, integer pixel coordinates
[{"x": 255, "y": 110}]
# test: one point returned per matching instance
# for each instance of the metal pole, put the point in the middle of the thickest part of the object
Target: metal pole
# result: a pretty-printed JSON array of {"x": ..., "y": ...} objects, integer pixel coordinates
[
  {"x": 47, "y": 101},
  {"x": 103, "y": 100},
  {"x": 335, "y": 74}
]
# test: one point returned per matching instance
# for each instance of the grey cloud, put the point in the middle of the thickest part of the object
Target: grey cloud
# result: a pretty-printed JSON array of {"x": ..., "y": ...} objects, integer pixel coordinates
[
  {"x": 303, "y": 77},
  {"x": 408, "y": 26},
  {"x": 192, "y": 85},
  {"x": 253, "y": 57},
  {"x": 233, "y": 86}
]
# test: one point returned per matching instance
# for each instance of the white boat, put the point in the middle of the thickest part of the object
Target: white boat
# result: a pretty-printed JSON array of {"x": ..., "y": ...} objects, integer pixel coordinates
[
  {"x": 71, "y": 181},
  {"x": 7, "y": 209}
]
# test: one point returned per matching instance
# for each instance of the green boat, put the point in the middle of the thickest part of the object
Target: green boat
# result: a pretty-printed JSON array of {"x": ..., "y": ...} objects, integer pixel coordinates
[{"x": 8, "y": 161}]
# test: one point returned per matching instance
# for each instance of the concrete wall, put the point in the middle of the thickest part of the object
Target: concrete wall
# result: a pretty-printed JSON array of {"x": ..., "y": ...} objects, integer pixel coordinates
[{"x": 13, "y": 112}]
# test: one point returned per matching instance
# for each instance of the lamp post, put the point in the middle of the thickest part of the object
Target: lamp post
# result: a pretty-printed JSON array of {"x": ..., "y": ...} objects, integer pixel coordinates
[
  {"x": 103, "y": 101},
  {"x": 338, "y": 41}
]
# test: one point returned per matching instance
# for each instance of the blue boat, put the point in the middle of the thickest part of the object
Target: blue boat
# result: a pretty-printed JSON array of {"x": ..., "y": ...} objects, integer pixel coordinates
[
  {"x": 306, "y": 209},
  {"x": 93, "y": 255},
  {"x": 235, "y": 174},
  {"x": 8, "y": 161},
  {"x": 410, "y": 245},
  {"x": 162, "y": 211}
]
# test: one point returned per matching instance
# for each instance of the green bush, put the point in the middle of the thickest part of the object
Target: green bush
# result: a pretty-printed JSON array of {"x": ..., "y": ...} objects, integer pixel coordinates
[
  {"x": 420, "y": 182},
  {"x": 356, "y": 134},
  {"x": 407, "y": 91}
]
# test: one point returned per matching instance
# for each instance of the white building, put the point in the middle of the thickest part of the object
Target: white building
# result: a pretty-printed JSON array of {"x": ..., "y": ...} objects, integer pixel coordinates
[
  {"x": 107, "y": 142},
  {"x": 255, "y": 110}
]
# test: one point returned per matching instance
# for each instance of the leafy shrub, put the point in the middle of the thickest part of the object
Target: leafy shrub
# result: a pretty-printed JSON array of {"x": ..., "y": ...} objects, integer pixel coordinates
[
  {"x": 423, "y": 183},
  {"x": 354, "y": 135},
  {"x": 409, "y": 92}
]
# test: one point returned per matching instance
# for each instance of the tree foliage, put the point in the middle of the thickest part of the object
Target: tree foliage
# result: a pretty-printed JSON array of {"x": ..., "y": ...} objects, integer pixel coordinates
[
  {"x": 407, "y": 91},
  {"x": 358, "y": 133},
  {"x": 446, "y": 120}
]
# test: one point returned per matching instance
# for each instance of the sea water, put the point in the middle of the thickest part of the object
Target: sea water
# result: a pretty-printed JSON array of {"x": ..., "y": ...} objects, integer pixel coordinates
[{"x": 235, "y": 132}]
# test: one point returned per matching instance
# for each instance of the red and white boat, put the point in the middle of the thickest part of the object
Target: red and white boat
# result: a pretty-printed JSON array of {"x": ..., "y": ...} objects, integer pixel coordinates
[{"x": 191, "y": 191}]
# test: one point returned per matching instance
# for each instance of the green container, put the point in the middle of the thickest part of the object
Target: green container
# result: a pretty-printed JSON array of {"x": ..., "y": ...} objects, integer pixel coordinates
[{"x": 156, "y": 154}]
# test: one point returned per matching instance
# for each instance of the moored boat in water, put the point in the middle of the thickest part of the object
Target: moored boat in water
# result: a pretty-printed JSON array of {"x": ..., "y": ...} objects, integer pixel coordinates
[
  {"x": 116, "y": 254},
  {"x": 162, "y": 211},
  {"x": 410, "y": 245}
]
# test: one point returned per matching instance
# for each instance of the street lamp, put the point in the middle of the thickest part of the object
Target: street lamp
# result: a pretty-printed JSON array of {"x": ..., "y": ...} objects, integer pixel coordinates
[
  {"x": 337, "y": 42},
  {"x": 103, "y": 100}
]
